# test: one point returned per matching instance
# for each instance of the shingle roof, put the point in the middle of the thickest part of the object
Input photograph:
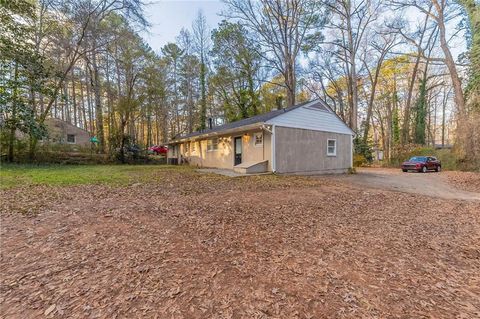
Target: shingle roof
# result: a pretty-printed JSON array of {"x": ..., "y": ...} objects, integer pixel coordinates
[{"x": 243, "y": 122}]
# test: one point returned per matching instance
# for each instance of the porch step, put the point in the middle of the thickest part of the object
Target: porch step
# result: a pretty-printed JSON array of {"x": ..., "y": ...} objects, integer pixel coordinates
[{"x": 251, "y": 167}]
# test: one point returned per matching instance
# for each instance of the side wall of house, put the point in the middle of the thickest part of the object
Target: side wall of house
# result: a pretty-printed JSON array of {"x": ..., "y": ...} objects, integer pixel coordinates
[
  {"x": 199, "y": 156},
  {"x": 58, "y": 131},
  {"x": 223, "y": 157},
  {"x": 305, "y": 151}
]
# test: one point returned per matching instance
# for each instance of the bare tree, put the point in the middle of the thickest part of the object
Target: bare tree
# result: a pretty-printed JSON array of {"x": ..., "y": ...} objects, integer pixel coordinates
[
  {"x": 201, "y": 35},
  {"x": 83, "y": 16},
  {"x": 282, "y": 28},
  {"x": 441, "y": 12},
  {"x": 417, "y": 39},
  {"x": 350, "y": 21},
  {"x": 381, "y": 46}
]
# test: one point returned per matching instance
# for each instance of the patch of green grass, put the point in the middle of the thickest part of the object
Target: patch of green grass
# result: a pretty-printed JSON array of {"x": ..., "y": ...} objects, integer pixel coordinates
[{"x": 63, "y": 175}]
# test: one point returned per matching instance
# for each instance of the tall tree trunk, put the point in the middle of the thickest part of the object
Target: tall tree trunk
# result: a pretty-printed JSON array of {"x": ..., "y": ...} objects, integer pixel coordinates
[
  {"x": 64, "y": 102},
  {"x": 252, "y": 93},
  {"x": 149, "y": 122},
  {"x": 444, "y": 108},
  {"x": 203, "y": 93},
  {"x": 110, "y": 119},
  {"x": 450, "y": 62},
  {"x": 191, "y": 106},
  {"x": 290, "y": 80},
  {"x": 472, "y": 7},
  {"x": 74, "y": 99},
  {"x": 14, "y": 121},
  {"x": 341, "y": 105},
  {"x": 372, "y": 99},
  {"x": 406, "y": 117},
  {"x": 89, "y": 102},
  {"x": 98, "y": 99},
  {"x": 353, "y": 73},
  {"x": 82, "y": 111}
]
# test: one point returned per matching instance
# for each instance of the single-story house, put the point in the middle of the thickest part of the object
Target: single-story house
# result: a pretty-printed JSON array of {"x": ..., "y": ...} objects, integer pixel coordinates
[
  {"x": 62, "y": 132},
  {"x": 307, "y": 138}
]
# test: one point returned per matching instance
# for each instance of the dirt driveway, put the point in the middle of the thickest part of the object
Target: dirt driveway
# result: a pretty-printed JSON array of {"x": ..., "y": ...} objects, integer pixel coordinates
[
  {"x": 431, "y": 184},
  {"x": 191, "y": 245}
]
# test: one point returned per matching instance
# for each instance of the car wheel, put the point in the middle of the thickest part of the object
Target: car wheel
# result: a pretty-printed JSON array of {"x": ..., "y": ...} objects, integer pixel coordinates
[
  {"x": 404, "y": 170},
  {"x": 424, "y": 169},
  {"x": 438, "y": 169}
]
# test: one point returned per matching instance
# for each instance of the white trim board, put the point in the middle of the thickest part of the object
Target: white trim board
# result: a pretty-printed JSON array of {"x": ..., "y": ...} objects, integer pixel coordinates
[{"x": 312, "y": 129}]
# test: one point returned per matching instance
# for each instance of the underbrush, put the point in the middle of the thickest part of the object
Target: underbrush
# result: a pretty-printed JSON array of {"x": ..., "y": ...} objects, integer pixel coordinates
[
  {"x": 446, "y": 156},
  {"x": 76, "y": 154}
]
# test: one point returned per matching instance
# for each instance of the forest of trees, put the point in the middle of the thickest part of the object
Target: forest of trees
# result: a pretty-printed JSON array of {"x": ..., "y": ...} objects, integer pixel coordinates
[{"x": 399, "y": 72}]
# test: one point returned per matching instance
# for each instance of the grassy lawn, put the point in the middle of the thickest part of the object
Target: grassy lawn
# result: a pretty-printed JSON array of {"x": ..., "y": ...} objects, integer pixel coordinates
[{"x": 62, "y": 175}]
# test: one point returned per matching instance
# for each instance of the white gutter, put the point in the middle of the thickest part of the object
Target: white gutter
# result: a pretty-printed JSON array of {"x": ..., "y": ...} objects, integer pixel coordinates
[
  {"x": 273, "y": 149},
  {"x": 264, "y": 127}
]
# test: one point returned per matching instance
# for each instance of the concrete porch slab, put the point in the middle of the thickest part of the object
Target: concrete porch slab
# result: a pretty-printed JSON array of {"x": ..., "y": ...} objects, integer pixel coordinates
[{"x": 226, "y": 172}]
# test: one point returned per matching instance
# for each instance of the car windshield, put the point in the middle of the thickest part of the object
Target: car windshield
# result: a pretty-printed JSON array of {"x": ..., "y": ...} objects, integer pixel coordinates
[{"x": 420, "y": 159}]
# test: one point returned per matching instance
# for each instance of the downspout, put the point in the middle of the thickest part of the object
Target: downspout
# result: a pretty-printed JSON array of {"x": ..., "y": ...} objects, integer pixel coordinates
[
  {"x": 273, "y": 149},
  {"x": 263, "y": 144},
  {"x": 272, "y": 145},
  {"x": 351, "y": 152}
]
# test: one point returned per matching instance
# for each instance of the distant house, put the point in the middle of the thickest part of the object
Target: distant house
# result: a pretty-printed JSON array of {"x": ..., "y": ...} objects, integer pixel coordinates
[
  {"x": 61, "y": 132},
  {"x": 307, "y": 138}
]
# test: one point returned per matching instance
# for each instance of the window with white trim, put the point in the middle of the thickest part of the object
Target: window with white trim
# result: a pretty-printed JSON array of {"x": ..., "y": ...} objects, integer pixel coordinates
[
  {"x": 258, "y": 139},
  {"x": 187, "y": 147},
  {"x": 331, "y": 147},
  {"x": 212, "y": 144},
  {"x": 193, "y": 147}
]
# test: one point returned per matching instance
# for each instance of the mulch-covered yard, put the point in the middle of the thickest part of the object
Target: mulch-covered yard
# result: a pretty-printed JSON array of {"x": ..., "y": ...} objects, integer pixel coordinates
[{"x": 203, "y": 246}]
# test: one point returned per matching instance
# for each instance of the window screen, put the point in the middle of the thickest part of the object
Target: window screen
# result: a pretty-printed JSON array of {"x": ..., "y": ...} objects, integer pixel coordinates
[
  {"x": 258, "y": 139},
  {"x": 212, "y": 144},
  {"x": 331, "y": 147}
]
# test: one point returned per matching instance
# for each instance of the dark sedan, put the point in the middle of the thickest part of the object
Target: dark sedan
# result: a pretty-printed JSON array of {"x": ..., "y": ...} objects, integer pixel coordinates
[{"x": 422, "y": 164}]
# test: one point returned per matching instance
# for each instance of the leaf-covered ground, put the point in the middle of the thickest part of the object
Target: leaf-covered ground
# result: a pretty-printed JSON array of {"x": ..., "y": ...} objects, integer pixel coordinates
[
  {"x": 469, "y": 181},
  {"x": 188, "y": 245}
]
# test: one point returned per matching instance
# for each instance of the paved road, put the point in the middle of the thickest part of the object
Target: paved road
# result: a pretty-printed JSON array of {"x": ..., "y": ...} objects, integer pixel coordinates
[{"x": 429, "y": 184}]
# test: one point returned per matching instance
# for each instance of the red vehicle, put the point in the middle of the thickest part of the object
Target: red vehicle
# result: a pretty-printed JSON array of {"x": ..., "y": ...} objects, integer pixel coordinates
[
  {"x": 422, "y": 164},
  {"x": 158, "y": 149}
]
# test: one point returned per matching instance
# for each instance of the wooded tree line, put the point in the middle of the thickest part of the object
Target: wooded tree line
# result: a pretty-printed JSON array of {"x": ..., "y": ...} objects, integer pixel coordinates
[{"x": 391, "y": 69}]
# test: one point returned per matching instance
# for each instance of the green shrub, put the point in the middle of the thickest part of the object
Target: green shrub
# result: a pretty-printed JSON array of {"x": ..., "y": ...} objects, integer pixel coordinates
[
  {"x": 363, "y": 149},
  {"x": 403, "y": 153},
  {"x": 448, "y": 158}
]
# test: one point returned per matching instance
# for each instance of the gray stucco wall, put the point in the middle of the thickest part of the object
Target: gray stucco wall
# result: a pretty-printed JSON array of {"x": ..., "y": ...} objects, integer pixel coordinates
[{"x": 305, "y": 151}]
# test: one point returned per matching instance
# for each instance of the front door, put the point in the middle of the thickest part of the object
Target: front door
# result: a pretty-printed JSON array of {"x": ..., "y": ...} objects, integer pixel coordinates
[{"x": 237, "y": 141}]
